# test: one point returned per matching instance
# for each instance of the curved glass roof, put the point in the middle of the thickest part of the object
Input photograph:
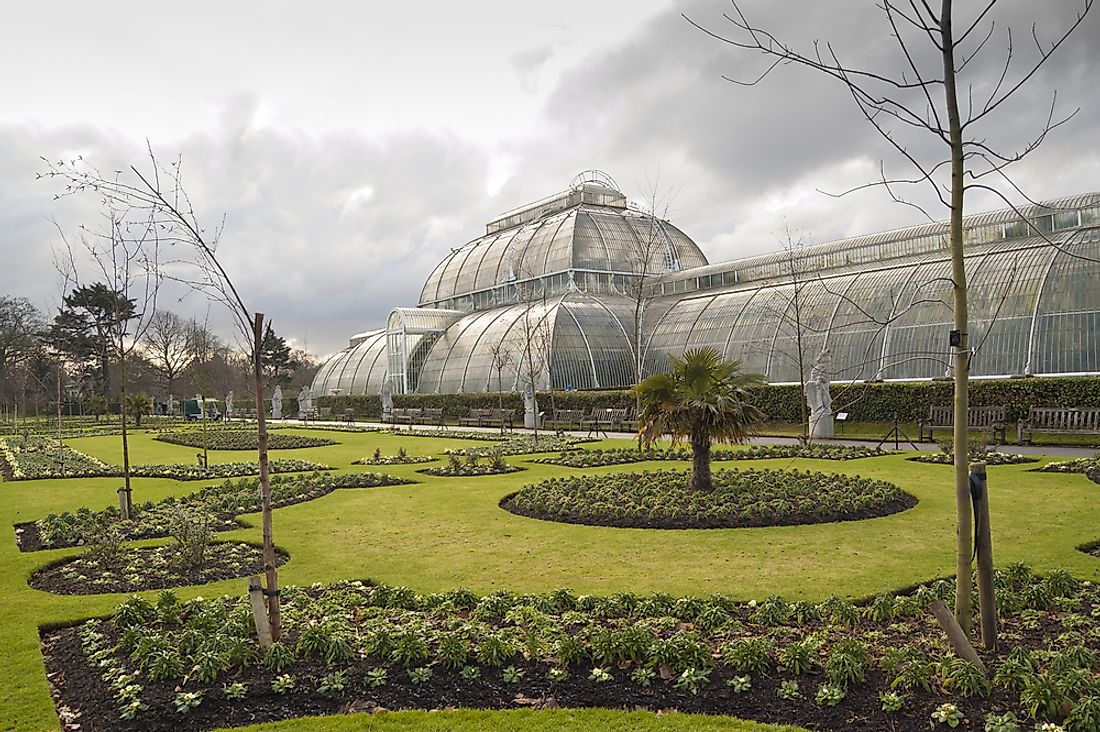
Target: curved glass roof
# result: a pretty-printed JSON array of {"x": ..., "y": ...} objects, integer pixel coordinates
[
  {"x": 588, "y": 338},
  {"x": 358, "y": 369},
  {"x": 586, "y": 237},
  {"x": 1034, "y": 308}
]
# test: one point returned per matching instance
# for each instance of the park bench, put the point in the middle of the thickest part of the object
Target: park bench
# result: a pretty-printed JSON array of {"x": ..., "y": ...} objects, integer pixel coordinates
[
  {"x": 991, "y": 419},
  {"x": 566, "y": 418},
  {"x": 432, "y": 415},
  {"x": 1059, "y": 421},
  {"x": 602, "y": 420},
  {"x": 349, "y": 416},
  {"x": 475, "y": 418},
  {"x": 499, "y": 418},
  {"x": 409, "y": 416}
]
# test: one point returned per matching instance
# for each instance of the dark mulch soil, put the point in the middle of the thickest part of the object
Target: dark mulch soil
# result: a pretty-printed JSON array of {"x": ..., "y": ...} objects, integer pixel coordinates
[
  {"x": 153, "y": 568},
  {"x": 77, "y": 688},
  {"x": 903, "y": 503},
  {"x": 469, "y": 472},
  {"x": 1094, "y": 475}
]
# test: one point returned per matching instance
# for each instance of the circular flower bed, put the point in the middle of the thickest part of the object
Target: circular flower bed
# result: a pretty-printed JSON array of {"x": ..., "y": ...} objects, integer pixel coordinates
[
  {"x": 990, "y": 458},
  {"x": 622, "y": 456},
  {"x": 150, "y": 568},
  {"x": 740, "y": 498},
  {"x": 401, "y": 458},
  {"x": 241, "y": 440}
]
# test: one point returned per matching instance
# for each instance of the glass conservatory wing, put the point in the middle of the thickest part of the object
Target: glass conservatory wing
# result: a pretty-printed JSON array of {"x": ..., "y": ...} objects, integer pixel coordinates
[
  {"x": 445, "y": 363},
  {"x": 803, "y": 328},
  {"x": 750, "y": 342},
  {"x": 369, "y": 370},
  {"x": 592, "y": 346},
  {"x": 326, "y": 374},
  {"x": 1002, "y": 297},
  {"x": 1067, "y": 321},
  {"x": 858, "y": 328}
]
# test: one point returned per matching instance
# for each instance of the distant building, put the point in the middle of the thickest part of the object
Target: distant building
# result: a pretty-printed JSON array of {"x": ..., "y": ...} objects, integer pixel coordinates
[{"x": 881, "y": 304}]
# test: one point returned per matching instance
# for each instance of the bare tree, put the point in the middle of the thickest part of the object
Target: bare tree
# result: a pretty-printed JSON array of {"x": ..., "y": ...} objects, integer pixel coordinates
[
  {"x": 535, "y": 337},
  {"x": 938, "y": 93},
  {"x": 170, "y": 346},
  {"x": 125, "y": 255},
  {"x": 502, "y": 358},
  {"x": 158, "y": 192}
]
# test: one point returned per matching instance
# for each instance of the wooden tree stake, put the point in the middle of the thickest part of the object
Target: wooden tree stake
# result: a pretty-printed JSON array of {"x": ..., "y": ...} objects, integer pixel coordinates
[
  {"x": 259, "y": 611},
  {"x": 987, "y": 598},
  {"x": 956, "y": 635}
]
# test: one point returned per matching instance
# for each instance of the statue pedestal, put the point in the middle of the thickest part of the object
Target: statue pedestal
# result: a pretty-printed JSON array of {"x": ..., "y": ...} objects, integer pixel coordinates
[
  {"x": 530, "y": 419},
  {"x": 821, "y": 426}
]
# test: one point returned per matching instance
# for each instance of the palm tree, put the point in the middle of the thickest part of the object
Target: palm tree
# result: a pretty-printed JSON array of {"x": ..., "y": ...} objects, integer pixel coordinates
[{"x": 704, "y": 397}]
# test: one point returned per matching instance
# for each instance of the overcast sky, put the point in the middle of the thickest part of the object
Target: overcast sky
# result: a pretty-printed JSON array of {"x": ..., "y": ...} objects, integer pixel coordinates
[{"x": 351, "y": 145}]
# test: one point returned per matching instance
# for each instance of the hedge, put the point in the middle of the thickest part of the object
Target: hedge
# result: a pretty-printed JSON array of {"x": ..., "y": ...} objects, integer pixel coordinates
[{"x": 909, "y": 401}]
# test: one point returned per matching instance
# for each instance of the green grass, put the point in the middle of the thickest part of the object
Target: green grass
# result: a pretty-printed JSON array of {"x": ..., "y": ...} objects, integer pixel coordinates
[
  {"x": 449, "y": 532},
  {"x": 565, "y": 720}
]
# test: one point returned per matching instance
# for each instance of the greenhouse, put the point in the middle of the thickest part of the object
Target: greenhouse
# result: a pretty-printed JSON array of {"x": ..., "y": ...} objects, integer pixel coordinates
[{"x": 553, "y": 291}]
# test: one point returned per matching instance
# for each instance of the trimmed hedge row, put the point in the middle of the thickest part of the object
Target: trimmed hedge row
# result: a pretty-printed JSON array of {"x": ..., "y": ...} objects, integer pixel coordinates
[{"x": 909, "y": 401}]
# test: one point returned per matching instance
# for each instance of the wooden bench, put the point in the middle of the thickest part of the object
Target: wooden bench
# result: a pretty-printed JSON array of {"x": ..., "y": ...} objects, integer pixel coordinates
[
  {"x": 498, "y": 418},
  {"x": 566, "y": 418},
  {"x": 432, "y": 415},
  {"x": 991, "y": 419},
  {"x": 475, "y": 418},
  {"x": 602, "y": 420},
  {"x": 1059, "y": 421}
]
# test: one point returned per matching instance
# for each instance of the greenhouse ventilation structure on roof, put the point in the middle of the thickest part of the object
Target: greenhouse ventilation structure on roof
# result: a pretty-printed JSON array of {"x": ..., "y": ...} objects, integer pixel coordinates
[{"x": 582, "y": 290}]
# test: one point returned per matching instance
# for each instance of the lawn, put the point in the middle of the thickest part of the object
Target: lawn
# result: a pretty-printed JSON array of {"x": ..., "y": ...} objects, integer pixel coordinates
[{"x": 448, "y": 532}]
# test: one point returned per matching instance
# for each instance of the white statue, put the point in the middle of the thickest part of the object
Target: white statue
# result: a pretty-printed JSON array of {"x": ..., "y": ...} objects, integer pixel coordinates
[
  {"x": 171, "y": 406},
  {"x": 277, "y": 403},
  {"x": 530, "y": 407},
  {"x": 305, "y": 402},
  {"x": 387, "y": 397},
  {"x": 229, "y": 405},
  {"x": 819, "y": 399}
]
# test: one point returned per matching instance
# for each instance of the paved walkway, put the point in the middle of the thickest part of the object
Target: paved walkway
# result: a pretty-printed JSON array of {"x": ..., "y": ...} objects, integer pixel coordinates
[{"x": 1048, "y": 450}]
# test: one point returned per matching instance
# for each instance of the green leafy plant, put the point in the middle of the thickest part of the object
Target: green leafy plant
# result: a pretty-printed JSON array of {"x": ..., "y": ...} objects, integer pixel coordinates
[
  {"x": 789, "y": 690},
  {"x": 692, "y": 679},
  {"x": 739, "y": 684},
  {"x": 333, "y": 683},
  {"x": 235, "y": 691},
  {"x": 600, "y": 675},
  {"x": 948, "y": 714},
  {"x": 185, "y": 701},
  {"x": 891, "y": 701},
  {"x": 829, "y": 695},
  {"x": 512, "y": 675},
  {"x": 470, "y": 673},
  {"x": 376, "y": 677},
  {"x": 1007, "y": 722},
  {"x": 643, "y": 676},
  {"x": 283, "y": 683},
  {"x": 420, "y": 675}
]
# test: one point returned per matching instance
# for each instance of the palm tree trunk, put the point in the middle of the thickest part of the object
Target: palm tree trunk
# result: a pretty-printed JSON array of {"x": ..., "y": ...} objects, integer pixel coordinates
[{"x": 700, "y": 460}]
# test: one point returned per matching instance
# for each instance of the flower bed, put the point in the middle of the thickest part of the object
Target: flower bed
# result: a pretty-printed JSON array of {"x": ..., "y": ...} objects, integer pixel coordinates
[
  {"x": 1079, "y": 465},
  {"x": 741, "y": 498},
  {"x": 523, "y": 445},
  {"x": 222, "y": 439},
  {"x": 225, "y": 501},
  {"x": 150, "y": 568},
  {"x": 38, "y": 460},
  {"x": 990, "y": 458},
  {"x": 159, "y": 664},
  {"x": 37, "y": 457},
  {"x": 471, "y": 466},
  {"x": 401, "y": 458},
  {"x": 622, "y": 456}
]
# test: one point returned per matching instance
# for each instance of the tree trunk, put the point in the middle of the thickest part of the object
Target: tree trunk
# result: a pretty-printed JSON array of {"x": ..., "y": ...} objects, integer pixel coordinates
[
  {"x": 700, "y": 460},
  {"x": 274, "y": 610},
  {"x": 125, "y": 436},
  {"x": 961, "y": 355}
]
